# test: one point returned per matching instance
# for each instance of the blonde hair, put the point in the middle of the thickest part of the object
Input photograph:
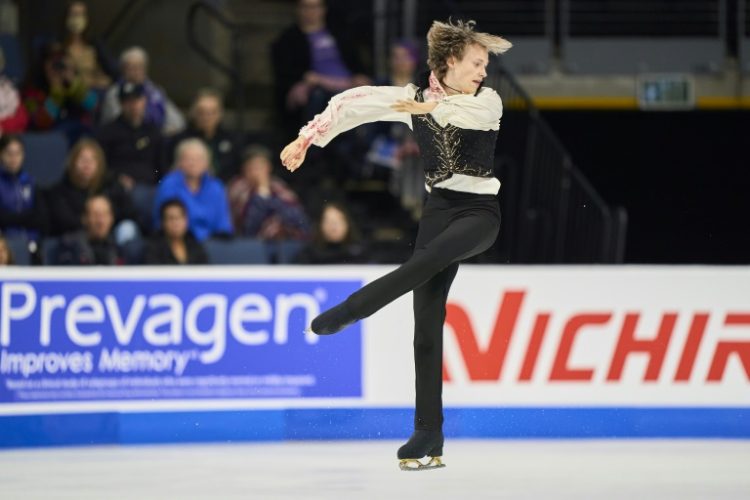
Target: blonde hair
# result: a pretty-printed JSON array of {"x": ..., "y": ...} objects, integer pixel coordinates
[{"x": 446, "y": 40}]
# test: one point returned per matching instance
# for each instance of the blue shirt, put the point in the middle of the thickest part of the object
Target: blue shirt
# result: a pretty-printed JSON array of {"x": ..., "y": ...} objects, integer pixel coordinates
[
  {"x": 17, "y": 195},
  {"x": 207, "y": 208}
]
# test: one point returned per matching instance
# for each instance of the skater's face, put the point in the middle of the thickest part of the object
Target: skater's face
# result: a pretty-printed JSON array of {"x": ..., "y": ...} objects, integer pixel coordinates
[
  {"x": 467, "y": 74},
  {"x": 11, "y": 157},
  {"x": 174, "y": 222},
  {"x": 333, "y": 225}
]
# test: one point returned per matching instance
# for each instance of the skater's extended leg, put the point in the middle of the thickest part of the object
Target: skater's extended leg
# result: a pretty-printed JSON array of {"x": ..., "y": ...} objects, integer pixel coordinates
[{"x": 460, "y": 240}]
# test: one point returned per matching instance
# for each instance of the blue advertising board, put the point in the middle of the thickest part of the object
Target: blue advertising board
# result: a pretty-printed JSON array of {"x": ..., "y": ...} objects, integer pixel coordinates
[{"x": 151, "y": 339}]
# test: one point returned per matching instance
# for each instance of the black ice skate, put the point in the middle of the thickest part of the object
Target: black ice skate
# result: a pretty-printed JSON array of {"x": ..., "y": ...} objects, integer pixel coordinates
[
  {"x": 333, "y": 320},
  {"x": 422, "y": 444}
]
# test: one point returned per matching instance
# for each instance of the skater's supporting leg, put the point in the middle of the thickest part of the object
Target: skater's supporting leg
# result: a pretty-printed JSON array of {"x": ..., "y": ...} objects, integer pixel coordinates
[{"x": 429, "y": 317}]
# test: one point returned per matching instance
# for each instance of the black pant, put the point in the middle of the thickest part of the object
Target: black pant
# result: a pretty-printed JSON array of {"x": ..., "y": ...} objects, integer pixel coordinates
[{"x": 454, "y": 227}]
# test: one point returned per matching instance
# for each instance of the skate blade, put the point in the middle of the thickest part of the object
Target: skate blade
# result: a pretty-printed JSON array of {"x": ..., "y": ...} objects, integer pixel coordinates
[{"x": 413, "y": 464}]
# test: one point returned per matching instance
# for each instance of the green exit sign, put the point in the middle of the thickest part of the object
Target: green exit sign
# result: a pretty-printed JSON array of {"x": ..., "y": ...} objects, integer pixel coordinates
[{"x": 666, "y": 92}]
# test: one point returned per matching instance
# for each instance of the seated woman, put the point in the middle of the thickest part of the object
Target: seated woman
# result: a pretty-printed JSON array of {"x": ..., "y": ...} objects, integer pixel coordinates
[
  {"x": 262, "y": 205},
  {"x": 89, "y": 58},
  {"x": 175, "y": 244},
  {"x": 336, "y": 239},
  {"x": 22, "y": 210},
  {"x": 86, "y": 175}
]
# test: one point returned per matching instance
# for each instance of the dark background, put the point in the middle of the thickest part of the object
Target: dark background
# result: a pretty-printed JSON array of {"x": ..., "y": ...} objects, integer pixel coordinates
[{"x": 683, "y": 177}]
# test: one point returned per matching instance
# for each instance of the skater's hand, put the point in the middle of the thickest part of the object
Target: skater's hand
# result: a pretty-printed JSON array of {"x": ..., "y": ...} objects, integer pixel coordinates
[
  {"x": 294, "y": 153},
  {"x": 413, "y": 107}
]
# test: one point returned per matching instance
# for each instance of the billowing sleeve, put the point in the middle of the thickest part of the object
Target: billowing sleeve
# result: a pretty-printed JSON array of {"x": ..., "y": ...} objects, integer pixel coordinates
[
  {"x": 480, "y": 112},
  {"x": 354, "y": 107}
]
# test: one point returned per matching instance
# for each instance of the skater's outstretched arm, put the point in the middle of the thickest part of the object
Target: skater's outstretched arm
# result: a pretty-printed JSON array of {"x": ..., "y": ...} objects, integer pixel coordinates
[
  {"x": 345, "y": 111},
  {"x": 369, "y": 104}
]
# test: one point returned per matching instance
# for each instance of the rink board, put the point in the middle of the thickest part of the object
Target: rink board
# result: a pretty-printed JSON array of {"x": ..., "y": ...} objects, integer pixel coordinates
[{"x": 138, "y": 355}]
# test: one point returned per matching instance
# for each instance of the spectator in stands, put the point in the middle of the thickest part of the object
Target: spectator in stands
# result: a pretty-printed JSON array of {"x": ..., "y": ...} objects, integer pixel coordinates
[
  {"x": 86, "y": 175},
  {"x": 336, "y": 239},
  {"x": 310, "y": 65},
  {"x": 132, "y": 146},
  {"x": 87, "y": 58},
  {"x": 94, "y": 244},
  {"x": 6, "y": 255},
  {"x": 392, "y": 141},
  {"x": 175, "y": 244},
  {"x": 56, "y": 97},
  {"x": 206, "y": 115},
  {"x": 160, "y": 111},
  {"x": 202, "y": 193},
  {"x": 13, "y": 116},
  {"x": 262, "y": 205},
  {"x": 22, "y": 210}
]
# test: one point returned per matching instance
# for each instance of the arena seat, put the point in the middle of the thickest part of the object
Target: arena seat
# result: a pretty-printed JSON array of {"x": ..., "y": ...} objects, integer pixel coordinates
[
  {"x": 287, "y": 251},
  {"x": 237, "y": 251},
  {"x": 19, "y": 247},
  {"x": 45, "y": 156},
  {"x": 13, "y": 61}
]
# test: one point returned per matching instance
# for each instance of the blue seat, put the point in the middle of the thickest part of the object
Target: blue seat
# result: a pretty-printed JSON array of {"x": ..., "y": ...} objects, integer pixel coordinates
[
  {"x": 45, "y": 156},
  {"x": 49, "y": 250},
  {"x": 19, "y": 247},
  {"x": 287, "y": 251},
  {"x": 237, "y": 251},
  {"x": 13, "y": 61}
]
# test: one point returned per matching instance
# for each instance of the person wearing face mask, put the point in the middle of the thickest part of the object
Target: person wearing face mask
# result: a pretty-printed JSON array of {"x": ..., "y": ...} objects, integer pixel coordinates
[
  {"x": 456, "y": 122},
  {"x": 22, "y": 210},
  {"x": 88, "y": 59},
  {"x": 56, "y": 97}
]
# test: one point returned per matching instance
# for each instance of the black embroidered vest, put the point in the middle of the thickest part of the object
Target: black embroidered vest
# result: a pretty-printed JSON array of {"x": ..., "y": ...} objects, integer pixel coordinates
[{"x": 452, "y": 150}]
